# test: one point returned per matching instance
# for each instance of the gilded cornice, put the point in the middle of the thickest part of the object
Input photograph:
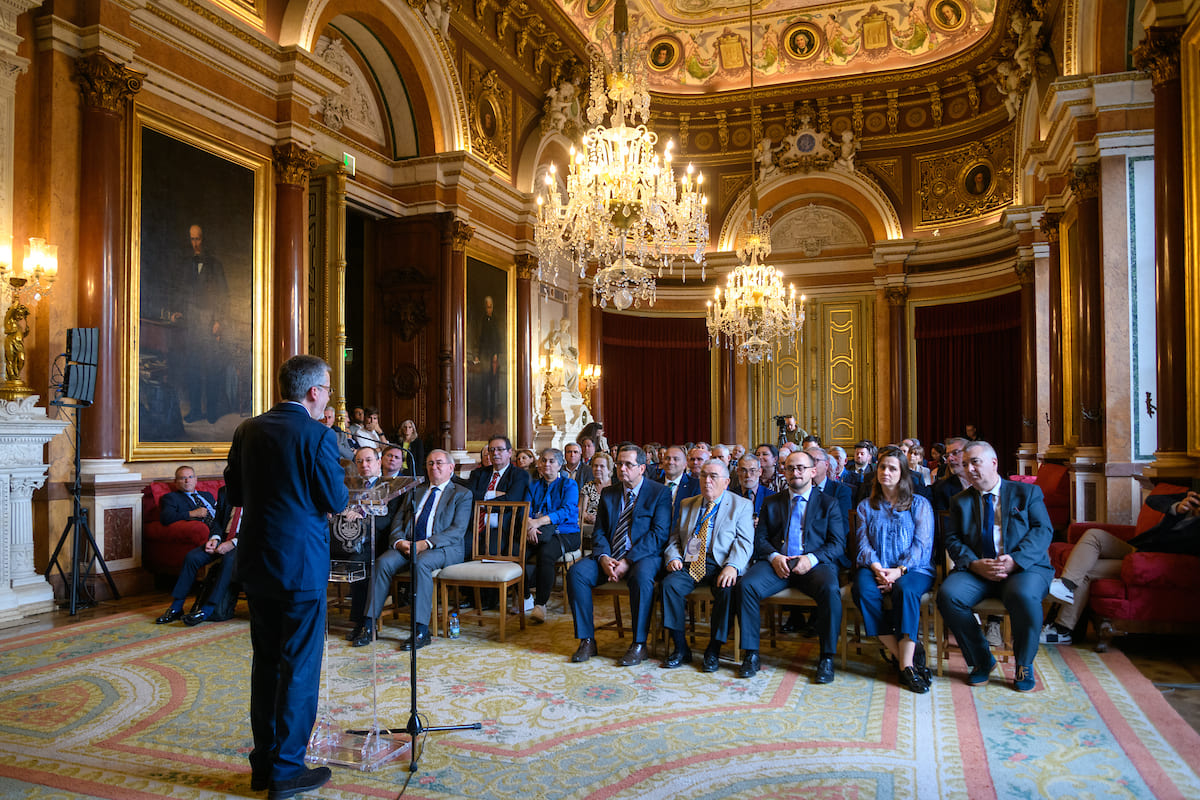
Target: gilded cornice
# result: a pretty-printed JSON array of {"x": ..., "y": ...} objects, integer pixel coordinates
[
  {"x": 1085, "y": 181},
  {"x": 105, "y": 84},
  {"x": 1158, "y": 54},
  {"x": 460, "y": 235},
  {"x": 896, "y": 295},
  {"x": 293, "y": 164},
  {"x": 1049, "y": 225},
  {"x": 527, "y": 266}
]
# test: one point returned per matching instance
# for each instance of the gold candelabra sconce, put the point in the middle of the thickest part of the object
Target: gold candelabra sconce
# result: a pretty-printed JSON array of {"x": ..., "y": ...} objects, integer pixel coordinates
[
  {"x": 26, "y": 281},
  {"x": 589, "y": 381},
  {"x": 551, "y": 367}
]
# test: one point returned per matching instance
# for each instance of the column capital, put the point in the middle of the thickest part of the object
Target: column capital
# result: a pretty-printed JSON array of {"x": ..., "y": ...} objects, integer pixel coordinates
[
  {"x": 1085, "y": 181},
  {"x": 1025, "y": 272},
  {"x": 1158, "y": 55},
  {"x": 1049, "y": 225},
  {"x": 527, "y": 266},
  {"x": 105, "y": 84},
  {"x": 293, "y": 164},
  {"x": 460, "y": 234},
  {"x": 896, "y": 295}
]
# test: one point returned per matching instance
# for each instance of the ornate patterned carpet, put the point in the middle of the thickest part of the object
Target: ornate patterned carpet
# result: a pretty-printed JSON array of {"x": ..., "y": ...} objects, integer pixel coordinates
[{"x": 121, "y": 708}]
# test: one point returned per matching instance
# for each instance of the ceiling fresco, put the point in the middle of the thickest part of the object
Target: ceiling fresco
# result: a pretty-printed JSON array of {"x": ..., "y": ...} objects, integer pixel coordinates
[{"x": 703, "y": 46}]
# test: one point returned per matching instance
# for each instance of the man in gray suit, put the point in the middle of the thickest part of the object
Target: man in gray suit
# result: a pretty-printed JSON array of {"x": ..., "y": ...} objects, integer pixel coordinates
[
  {"x": 710, "y": 544},
  {"x": 428, "y": 532}
]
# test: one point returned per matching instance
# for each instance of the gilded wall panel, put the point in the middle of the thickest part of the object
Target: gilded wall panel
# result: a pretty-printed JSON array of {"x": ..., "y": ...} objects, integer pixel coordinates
[{"x": 964, "y": 182}]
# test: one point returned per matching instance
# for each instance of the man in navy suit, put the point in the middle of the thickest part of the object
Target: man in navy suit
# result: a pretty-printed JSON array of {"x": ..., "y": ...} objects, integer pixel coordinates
[
  {"x": 283, "y": 470},
  {"x": 998, "y": 536},
  {"x": 800, "y": 538},
  {"x": 676, "y": 478},
  {"x": 633, "y": 521},
  {"x": 369, "y": 536},
  {"x": 185, "y": 503}
]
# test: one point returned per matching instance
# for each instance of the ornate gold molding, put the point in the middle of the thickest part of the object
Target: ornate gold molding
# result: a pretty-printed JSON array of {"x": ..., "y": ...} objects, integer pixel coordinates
[
  {"x": 1025, "y": 272},
  {"x": 105, "y": 84},
  {"x": 1049, "y": 226},
  {"x": 1085, "y": 181},
  {"x": 1158, "y": 55},
  {"x": 527, "y": 266},
  {"x": 460, "y": 234},
  {"x": 292, "y": 164},
  {"x": 896, "y": 295}
]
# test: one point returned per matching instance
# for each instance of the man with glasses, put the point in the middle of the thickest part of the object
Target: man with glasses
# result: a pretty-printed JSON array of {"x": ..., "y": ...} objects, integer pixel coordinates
[
  {"x": 633, "y": 520},
  {"x": 710, "y": 545},
  {"x": 800, "y": 537},
  {"x": 953, "y": 483},
  {"x": 283, "y": 471},
  {"x": 500, "y": 480}
]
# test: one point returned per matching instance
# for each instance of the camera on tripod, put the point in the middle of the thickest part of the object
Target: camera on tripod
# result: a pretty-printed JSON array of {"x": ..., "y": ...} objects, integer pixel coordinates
[{"x": 781, "y": 420}]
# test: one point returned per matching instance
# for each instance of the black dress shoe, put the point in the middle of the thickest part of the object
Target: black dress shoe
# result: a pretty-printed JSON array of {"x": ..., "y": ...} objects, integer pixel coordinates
[
  {"x": 587, "y": 649},
  {"x": 750, "y": 665},
  {"x": 712, "y": 661},
  {"x": 635, "y": 655},
  {"x": 366, "y": 635},
  {"x": 679, "y": 656},
  {"x": 919, "y": 663},
  {"x": 354, "y": 634},
  {"x": 259, "y": 783},
  {"x": 824, "y": 670},
  {"x": 421, "y": 640},
  {"x": 195, "y": 618},
  {"x": 170, "y": 615},
  {"x": 911, "y": 679},
  {"x": 306, "y": 781},
  {"x": 793, "y": 624}
]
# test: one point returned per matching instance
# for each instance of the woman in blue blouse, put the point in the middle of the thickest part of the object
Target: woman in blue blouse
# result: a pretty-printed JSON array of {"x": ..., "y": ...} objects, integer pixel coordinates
[
  {"x": 553, "y": 525},
  {"x": 895, "y": 552}
]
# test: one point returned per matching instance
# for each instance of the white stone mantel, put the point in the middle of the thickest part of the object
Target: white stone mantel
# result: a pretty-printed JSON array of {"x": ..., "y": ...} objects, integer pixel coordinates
[{"x": 25, "y": 430}]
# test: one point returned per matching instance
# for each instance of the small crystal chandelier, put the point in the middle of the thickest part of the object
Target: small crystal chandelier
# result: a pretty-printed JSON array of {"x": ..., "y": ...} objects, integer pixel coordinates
[
  {"x": 756, "y": 313},
  {"x": 622, "y": 206}
]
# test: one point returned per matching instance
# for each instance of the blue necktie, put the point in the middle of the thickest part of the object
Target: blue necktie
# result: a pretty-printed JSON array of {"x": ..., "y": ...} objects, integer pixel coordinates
[
  {"x": 795, "y": 536},
  {"x": 989, "y": 523},
  {"x": 423, "y": 517}
]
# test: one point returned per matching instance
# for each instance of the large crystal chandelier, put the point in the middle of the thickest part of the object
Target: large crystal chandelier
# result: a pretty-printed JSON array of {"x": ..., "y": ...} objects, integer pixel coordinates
[
  {"x": 623, "y": 207},
  {"x": 756, "y": 313}
]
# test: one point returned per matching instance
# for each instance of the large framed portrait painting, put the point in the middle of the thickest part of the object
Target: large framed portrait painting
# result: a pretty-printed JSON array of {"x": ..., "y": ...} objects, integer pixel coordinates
[
  {"x": 487, "y": 348},
  {"x": 197, "y": 330}
]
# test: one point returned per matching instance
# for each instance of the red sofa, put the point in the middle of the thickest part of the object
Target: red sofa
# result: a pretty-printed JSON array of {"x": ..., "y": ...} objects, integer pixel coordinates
[
  {"x": 165, "y": 546},
  {"x": 1156, "y": 591}
]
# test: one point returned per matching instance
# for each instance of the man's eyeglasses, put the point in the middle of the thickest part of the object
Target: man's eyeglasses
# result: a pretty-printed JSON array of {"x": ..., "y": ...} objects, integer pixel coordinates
[
  {"x": 627, "y": 464},
  {"x": 497, "y": 449},
  {"x": 797, "y": 467},
  {"x": 328, "y": 389}
]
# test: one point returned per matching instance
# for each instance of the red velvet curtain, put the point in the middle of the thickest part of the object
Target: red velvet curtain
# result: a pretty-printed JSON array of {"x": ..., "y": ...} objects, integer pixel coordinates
[
  {"x": 969, "y": 371},
  {"x": 655, "y": 379}
]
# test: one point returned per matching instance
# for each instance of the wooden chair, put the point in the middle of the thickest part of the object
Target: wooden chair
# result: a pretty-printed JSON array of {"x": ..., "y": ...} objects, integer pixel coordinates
[
  {"x": 772, "y": 607},
  {"x": 499, "y": 561},
  {"x": 620, "y": 589},
  {"x": 988, "y": 607}
]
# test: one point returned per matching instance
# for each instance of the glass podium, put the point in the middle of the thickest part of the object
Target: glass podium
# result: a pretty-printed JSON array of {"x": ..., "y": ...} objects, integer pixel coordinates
[{"x": 357, "y": 741}]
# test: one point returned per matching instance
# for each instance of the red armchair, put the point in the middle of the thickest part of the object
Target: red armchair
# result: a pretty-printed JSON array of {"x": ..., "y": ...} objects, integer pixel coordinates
[
  {"x": 1156, "y": 591},
  {"x": 165, "y": 546}
]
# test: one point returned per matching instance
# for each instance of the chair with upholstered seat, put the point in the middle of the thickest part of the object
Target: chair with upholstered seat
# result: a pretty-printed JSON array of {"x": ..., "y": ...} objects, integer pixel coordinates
[{"x": 499, "y": 561}]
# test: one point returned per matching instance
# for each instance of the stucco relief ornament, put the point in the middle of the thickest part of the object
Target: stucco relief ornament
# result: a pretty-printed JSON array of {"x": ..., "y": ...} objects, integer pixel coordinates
[
  {"x": 22, "y": 408},
  {"x": 805, "y": 149}
]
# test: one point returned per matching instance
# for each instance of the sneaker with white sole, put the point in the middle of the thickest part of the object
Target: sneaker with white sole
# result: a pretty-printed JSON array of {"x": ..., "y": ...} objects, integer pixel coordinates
[
  {"x": 1052, "y": 635},
  {"x": 538, "y": 614},
  {"x": 1059, "y": 591}
]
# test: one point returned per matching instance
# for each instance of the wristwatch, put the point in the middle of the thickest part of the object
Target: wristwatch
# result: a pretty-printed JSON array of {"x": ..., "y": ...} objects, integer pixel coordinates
[{"x": 903, "y": 570}]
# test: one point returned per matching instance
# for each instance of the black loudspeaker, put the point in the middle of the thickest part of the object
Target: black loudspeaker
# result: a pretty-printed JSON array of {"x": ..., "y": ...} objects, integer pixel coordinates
[
  {"x": 79, "y": 382},
  {"x": 82, "y": 345},
  {"x": 79, "y": 376}
]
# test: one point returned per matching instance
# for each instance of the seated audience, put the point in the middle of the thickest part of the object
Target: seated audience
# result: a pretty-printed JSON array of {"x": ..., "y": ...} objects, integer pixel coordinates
[
  {"x": 799, "y": 539},
  {"x": 997, "y": 536},
  {"x": 345, "y": 449},
  {"x": 499, "y": 480},
  {"x": 573, "y": 464},
  {"x": 595, "y": 430},
  {"x": 894, "y": 560},
  {"x": 410, "y": 440},
  {"x": 653, "y": 471},
  {"x": 553, "y": 527},
  {"x": 916, "y": 464},
  {"x": 864, "y": 459},
  {"x": 711, "y": 544},
  {"x": 588, "y": 447},
  {"x": 589, "y": 496},
  {"x": 632, "y": 525},
  {"x": 678, "y": 481},
  {"x": 361, "y": 540},
  {"x": 394, "y": 462},
  {"x": 427, "y": 534},
  {"x": 954, "y": 482},
  {"x": 370, "y": 433},
  {"x": 839, "y": 457},
  {"x": 526, "y": 460},
  {"x": 772, "y": 472},
  {"x": 181, "y": 505},
  {"x": 749, "y": 471},
  {"x": 1099, "y": 554}
]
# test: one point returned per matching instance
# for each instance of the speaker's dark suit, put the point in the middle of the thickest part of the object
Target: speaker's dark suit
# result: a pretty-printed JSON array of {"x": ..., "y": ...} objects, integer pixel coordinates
[
  {"x": 825, "y": 537},
  {"x": 1027, "y": 533},
  {"x": 283, "y": 471},
  {"x": 648, "y": 533},
  {"x": 451, "y": 519}
]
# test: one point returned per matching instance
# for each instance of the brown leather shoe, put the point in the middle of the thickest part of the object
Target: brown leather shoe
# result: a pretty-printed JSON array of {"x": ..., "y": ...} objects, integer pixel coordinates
[
  {"x": 635, "y": 655},
  {"x": 587, "y": 649}
]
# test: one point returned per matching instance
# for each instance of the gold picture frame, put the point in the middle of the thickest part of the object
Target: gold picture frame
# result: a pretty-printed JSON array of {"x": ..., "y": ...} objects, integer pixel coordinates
[{"x": 199, "y": 300}]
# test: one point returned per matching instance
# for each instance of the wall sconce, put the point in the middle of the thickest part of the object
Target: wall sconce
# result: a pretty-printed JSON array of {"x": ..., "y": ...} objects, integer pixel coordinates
[
  {"x": 33, "y": 278},
  {"x": 589, "y": 376}
]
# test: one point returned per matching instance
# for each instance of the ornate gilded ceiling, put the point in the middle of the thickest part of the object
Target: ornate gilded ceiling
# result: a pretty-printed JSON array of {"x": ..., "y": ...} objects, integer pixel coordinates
[{"x": 703, "y": 46}]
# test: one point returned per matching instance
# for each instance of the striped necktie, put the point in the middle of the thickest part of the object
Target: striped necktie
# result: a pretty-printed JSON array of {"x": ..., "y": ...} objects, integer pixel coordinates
[{"x": 620, "y": 543}]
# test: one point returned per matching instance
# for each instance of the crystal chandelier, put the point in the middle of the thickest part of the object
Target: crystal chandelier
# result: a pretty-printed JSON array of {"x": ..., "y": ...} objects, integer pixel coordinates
[
  {"x": 756, "y": 313},
  {"x": 623, "y": 207}
]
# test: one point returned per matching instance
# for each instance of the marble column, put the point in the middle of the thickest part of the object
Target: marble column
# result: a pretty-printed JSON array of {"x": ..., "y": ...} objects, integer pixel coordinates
[
  {"x": 1025, "y": 277},
  {"x": 1049, "y": 225},
  {"x": 460, "y": 235},
  {"x": 107, "y": 88},
  {"x": 1158, "y": 54},
  {"x": 527, "y": 266},
  {"x": 1085, "y": 184},
  {"x": 898, "y": 355},
  {"x": 293, "y": 164}
]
